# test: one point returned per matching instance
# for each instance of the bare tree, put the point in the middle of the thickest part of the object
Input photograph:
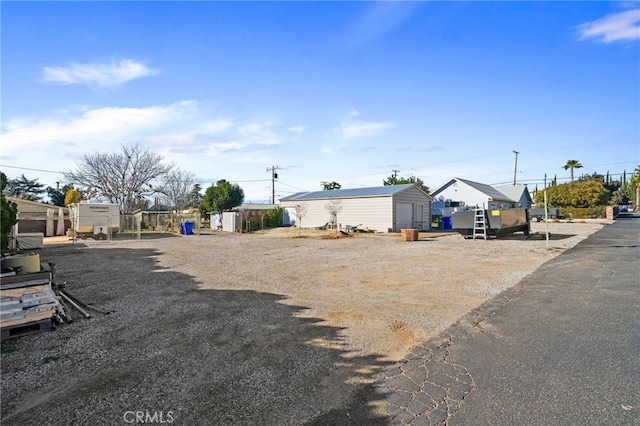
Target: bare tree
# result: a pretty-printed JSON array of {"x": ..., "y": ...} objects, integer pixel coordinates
[
  {"x": 301, "y": 211},
  {"x": 176, "y": 188},
  {"x": 123, "y": 178},
  {"x": 334, "y": 207}
]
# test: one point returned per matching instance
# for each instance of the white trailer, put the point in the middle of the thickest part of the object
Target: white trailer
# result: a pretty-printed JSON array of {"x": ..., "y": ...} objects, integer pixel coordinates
[{"x": 94, "y": 218}]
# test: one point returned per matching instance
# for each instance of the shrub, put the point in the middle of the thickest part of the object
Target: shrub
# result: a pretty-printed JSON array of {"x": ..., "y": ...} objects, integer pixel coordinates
[{"x": 584, "y": 212}]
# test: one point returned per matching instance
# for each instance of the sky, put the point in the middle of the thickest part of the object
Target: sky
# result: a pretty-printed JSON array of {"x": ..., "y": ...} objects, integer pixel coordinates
[{"x": 324, "y": 91}]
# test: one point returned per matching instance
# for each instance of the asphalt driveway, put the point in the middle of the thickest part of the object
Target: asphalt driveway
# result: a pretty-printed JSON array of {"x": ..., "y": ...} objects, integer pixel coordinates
[{"x": 561, "y": 347}]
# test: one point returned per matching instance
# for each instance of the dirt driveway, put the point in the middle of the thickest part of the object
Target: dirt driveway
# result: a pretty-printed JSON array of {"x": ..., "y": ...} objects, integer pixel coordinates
[{"x": 262, "y": 328}]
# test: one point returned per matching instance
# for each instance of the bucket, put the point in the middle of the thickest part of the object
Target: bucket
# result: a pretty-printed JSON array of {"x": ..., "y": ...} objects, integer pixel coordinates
[{"x": 28, "y": 262}]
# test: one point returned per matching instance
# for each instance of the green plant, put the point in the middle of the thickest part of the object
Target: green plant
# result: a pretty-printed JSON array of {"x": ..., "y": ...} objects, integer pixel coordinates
[{"x": 9, "y": 214}]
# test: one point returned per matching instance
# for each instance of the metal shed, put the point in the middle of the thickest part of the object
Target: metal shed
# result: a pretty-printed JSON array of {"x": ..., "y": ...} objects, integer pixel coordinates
[{"x": 382, "y": 208}]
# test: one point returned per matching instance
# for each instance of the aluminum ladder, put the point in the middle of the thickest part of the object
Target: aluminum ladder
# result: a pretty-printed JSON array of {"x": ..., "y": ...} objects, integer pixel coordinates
[{"x": 479, "y": 224}]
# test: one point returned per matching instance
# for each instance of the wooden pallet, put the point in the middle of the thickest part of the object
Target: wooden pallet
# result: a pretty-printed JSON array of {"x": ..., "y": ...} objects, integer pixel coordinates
[{"x": 19, "y": 330}]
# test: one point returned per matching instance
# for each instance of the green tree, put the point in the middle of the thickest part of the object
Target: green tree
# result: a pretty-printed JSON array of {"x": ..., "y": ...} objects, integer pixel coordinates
[
  {"x": 9, "y": 213},
  {"x": 27, "y": 189},
  {"x": 587, "y": 193},
  {"x": 223, "y": 196},
  {"x": 394, "y": 180},
  {"x": 57, "y": 195},
  {"x": 622, "y": 196},
  {"x": 195, "y": 196},
  {"x": 572, "y": 164},
  {"x": 634, "y": 186}
]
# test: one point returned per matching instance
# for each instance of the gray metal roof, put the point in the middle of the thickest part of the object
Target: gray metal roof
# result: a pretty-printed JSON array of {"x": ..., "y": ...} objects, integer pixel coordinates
[
  {"x": 514, "y": 191},
  {"x": 377, "y": 191}
]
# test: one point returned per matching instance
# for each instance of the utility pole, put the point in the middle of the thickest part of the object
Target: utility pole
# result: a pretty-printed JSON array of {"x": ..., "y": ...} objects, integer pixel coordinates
[
  {"x": 395, "y": 173},
  {"x": 274, "y": 176},
  {"x": 515, "y": 170}
]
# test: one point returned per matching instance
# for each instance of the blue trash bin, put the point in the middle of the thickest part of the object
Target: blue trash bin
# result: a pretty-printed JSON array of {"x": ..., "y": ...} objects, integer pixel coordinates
[
  {"x": 187, "y": 228},
  {"x": 447, "y": 222}
]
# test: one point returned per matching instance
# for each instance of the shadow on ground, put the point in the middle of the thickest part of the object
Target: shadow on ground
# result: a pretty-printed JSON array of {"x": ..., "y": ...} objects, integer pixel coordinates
[{"x": 170, "y": 349}]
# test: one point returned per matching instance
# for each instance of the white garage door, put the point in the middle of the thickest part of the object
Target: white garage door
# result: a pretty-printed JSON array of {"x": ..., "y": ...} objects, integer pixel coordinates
[{"x": 404, "y": 216}]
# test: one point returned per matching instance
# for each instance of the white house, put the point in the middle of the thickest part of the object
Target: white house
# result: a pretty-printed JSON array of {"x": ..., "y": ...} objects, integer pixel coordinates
[
  {"x": 382, "y": 208},
  {"x": 461, "y": 193}
]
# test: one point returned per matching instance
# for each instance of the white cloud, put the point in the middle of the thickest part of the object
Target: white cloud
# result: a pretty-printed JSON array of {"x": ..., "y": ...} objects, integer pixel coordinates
[
  {"x": 217, "y": 126},
  {"x": 254, "y": 129},
  {"x": 223, "y": 147},
  {"x": 358, "y": 129},
  {"x": 297, "y": 129},
  {"x": 93, "y": 126},
  {"x": 182, "y": 132},
  {"x": 614, "y": 27},
  {"x": 96, "y": 74},
  {"x": 331, "y": 149}
]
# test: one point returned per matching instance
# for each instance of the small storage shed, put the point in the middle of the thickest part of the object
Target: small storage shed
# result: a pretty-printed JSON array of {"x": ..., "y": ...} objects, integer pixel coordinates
[
  {"x": 381, "y": 208},
  {"x": 216, "y": 219}
]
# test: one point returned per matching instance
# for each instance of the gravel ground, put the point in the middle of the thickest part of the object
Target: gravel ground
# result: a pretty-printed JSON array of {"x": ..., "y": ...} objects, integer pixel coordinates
[{"x": 261, "y": 328}]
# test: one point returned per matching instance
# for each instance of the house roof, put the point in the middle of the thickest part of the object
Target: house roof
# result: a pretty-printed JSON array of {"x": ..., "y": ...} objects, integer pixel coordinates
[
  {"x": 485, "y": 189},
  {"x": 21, "y": 202},
  {"x": 256, "y": 206},
  {"x": 377, "y": 191},
  {"x": 515, "y": 191}
]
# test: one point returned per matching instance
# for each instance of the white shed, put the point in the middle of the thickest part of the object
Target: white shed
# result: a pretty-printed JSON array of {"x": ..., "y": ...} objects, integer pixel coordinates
[{"x": 382, "y": 208}]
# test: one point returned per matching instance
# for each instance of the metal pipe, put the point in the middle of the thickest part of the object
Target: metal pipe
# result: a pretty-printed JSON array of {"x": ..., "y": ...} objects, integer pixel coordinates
[
  {"x": 86, "y": 305},
  {"x": 75, "y": 305}
]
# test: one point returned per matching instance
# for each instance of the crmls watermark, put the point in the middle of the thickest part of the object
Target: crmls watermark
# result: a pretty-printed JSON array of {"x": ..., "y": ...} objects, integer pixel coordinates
[{"x": 147, "y": 417}]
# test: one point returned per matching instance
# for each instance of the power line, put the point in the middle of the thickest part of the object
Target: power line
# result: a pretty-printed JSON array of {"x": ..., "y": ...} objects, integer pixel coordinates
[{"x": 30, "y": 169}]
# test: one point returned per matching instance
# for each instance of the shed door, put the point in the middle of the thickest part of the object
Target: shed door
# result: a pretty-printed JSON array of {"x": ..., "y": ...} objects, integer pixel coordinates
[{"x": 404, "y": 216}]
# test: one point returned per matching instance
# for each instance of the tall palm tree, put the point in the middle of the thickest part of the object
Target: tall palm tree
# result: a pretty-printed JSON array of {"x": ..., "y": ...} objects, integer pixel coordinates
[{"x": 572, "y": 164}]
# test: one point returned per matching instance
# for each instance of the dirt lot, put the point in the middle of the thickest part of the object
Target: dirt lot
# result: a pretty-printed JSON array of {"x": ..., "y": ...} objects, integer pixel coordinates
[
  {"x": 386, "y": 294},
  {"x": 254, "y": 328}
]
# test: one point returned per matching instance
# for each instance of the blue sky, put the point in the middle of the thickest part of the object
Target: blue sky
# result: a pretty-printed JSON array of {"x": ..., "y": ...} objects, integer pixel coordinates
[{"x": 327, "y": 91}]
